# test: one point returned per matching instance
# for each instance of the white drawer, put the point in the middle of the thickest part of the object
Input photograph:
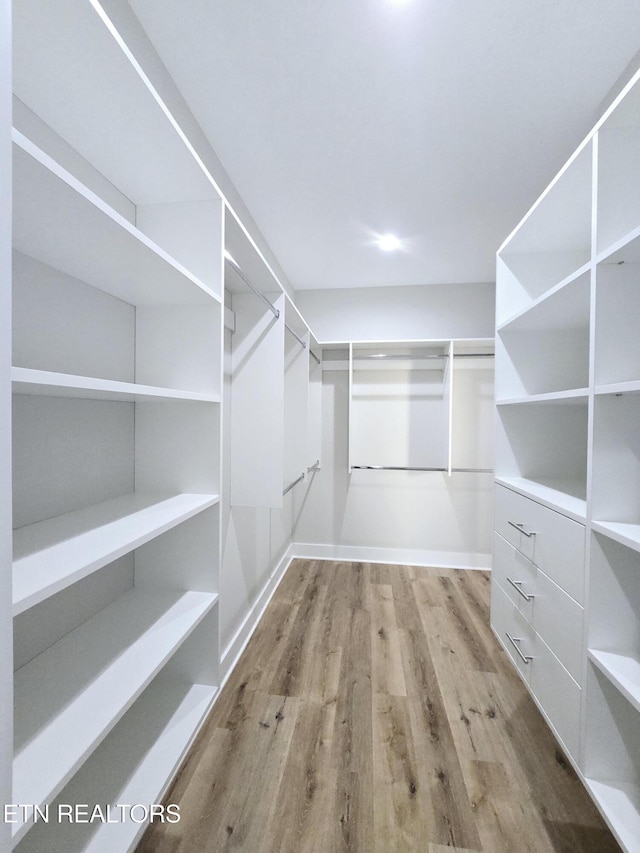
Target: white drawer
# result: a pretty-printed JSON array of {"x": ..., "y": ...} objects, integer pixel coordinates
[
  {"x": 552, "y": 613},
  {"x": 507, "y": 621},
  {"x": 559, "y": 621},
  {"x": 510, "y": 565},
  {"x": 556, "y": 544},
  {"x": 558, "y": 694}
]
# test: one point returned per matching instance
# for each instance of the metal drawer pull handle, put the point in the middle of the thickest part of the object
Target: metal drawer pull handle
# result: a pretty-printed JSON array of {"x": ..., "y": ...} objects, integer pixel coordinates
[
  {"x": 517, "y": 584},
  {"x": 514, "y": 642},
  {"x": 520, "y": 528}
]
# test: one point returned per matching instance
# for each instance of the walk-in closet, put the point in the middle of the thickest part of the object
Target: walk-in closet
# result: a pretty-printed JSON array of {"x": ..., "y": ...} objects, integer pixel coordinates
[{"x": 319, "y": 405}]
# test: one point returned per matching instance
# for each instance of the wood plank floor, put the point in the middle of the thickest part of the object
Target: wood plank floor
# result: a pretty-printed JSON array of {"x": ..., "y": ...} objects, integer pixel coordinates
[{"x": 374, "y": 711}]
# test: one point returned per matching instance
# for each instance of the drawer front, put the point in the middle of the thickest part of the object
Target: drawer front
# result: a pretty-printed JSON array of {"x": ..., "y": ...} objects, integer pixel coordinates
[
  {"x": 559, "y": 621},
  {"x": 556, "y": 544},
  {"x": 510, "y": 565},
  {"x": 554, "y": 615},
  {"x": 506, "y": 620},
  {"x": 558, "y": 694}
]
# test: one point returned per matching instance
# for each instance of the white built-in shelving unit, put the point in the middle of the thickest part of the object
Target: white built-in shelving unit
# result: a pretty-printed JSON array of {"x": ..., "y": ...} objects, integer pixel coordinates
[
  {"x": 567, "y": 549},
  {"x": 124, "y": 251},
  {"x": 128, "y": 264},
  {"x": 117, "y": 375},
  {"x": 6, "y": 634}
]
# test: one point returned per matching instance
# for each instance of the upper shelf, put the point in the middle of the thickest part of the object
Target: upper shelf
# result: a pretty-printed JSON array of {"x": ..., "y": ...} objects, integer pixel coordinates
[
  {"x": 60, "y": 222},
  {"x": 619, "y": 172},
  {"x": 76, "y": 73},
  {"x": 51, "y": 555},
  {"x": 565, "y": 306},
  {"x": 430, "y": 355},
  {"x": 244, "y": 259},
  {"x": 50, "y": 384},
  {"x": 551, "y": 243}
]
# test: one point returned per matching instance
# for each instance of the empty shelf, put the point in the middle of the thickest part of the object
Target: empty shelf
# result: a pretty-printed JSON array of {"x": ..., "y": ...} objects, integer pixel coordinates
[
  {"x": 49, "y": 384},
  {"x": 51, "y": 555},
  {"x": 574, "y": 396},
  {"x": 627, "y": 249},
  {"x": 623, "y": 532},
  {"x": 57, "y": 220},
  {"x": 68, "y": 698},
  {"x": 130, "y": 766},
  {"x": 622, "y": 670},
  {"x": 552, "y": 309},
  {"x": 632, "y": 387},
  {"x": 619, "y": 802}
]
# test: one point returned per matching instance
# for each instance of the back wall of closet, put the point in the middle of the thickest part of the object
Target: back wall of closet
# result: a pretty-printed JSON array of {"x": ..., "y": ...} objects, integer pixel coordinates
[{"x": 401, "y": 516}]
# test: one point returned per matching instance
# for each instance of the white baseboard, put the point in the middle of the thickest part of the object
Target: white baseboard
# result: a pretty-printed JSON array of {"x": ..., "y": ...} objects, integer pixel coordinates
[
  {"x": 238, "y": 642},
  {"x": 398, "y": 556}
]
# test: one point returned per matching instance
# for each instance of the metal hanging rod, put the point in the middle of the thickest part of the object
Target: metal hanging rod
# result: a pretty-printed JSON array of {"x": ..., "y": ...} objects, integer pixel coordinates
[
  {"x": 314, "y": 467},
  {"x": 396, "y": 357},
  {"x": 416, "y": 357},
  {"x": 296, "y": 336},
  {"x": 276, "y": 311},
  {"x": 234, "y": 266},
  {"x": 409, "y": 468},
  {"x": 313, "y": 355},
  {"x": 392, "y": 468},
  {"x": 295, "y": 483},
  {"x": 472, "y": 470}
]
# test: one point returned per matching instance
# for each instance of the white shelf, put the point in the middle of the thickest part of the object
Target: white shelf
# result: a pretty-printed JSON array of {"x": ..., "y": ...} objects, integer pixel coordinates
[
  {"x": 622, "y": 670},
  {"x": 51, "y": 555},
  {"x": 631, "y": 387},
  {"x": 625, "y": 249},
  {"x": 555, "y": 308},
  {"x": 59, "y": 221},
  {"x": 559, "y": 495},
  {"x": 576, "y": 396},
  {"x": 619, "y": 802},
  {"x": 130, "y": 766},
  {"x": 68, "y": 698},
  {"x": 70, "y": 70},
  {"x": 623, "y": 532},
  {"x": 49, "y": 384}
]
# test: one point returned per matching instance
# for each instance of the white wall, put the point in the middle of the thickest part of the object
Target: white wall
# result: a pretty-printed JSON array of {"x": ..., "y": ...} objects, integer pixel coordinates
[
  {"x": 393, "y": 516},
  {"x": 6, "y": 635},
  {"x": 436, "y": 311}
]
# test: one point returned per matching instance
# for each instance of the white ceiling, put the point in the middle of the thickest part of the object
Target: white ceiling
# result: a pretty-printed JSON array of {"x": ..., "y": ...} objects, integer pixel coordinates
[{"x": 440, "y": 121}]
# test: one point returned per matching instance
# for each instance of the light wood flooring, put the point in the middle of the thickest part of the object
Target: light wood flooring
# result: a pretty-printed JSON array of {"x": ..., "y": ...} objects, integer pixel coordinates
[{"x": 374, "y": 711}]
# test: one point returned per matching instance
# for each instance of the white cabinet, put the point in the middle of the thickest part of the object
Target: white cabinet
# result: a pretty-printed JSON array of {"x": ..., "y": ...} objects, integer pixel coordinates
[{"x": 567, "y": 449}]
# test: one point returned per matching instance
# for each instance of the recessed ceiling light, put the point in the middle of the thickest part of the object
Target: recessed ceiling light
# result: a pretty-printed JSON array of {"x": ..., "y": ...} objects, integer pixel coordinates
[{"x": 388, "y": 243}]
